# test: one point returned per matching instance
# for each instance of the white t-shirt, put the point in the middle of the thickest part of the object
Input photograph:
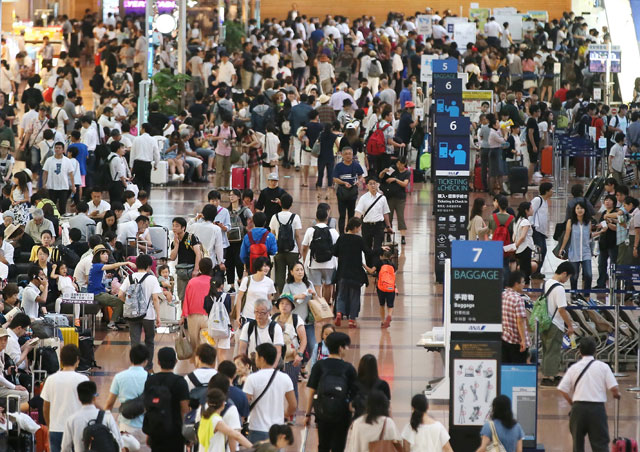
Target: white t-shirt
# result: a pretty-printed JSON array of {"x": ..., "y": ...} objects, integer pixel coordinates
[
  {"x": 270, "y": 408},
  {"x": 284, "y": 218},
  {"x": 617, "y": 153},
  {"x": 150, "y": 286},
  {"x": 261, "y": 336},
  {"x": 100, "y": 208},
  {"x": 556, "y": 299},
  {"x": 306, "y": 241},
  {"x": 428, "y": 437},
  {"x": 528, "y": 240},
  {"x": 29, "y": 303},
  {"x": 232, "y": 419},
  {"x": 60, "y": 390},
  {"x": 202, "y": 374},
  {"x": 257, "y": 290},
  {"x": 58, "y": 173}
]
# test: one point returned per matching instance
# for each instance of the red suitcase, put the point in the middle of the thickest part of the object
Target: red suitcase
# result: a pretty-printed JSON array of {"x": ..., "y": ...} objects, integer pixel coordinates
[
  {"x": 583, "y": 166},
  {"x": 546, "y": 161},
  {"x": 477, "y": 179},
  {"x": 240, "y": 178},
  {"x": 409, "y": 187}
]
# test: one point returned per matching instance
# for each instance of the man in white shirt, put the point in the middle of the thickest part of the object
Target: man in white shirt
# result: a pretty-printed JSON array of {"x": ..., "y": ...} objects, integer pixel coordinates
[
  {"x": 372, "y": 207},
  {"x": 35, "y": 293},
  {"x": 439, "y": 33},
  {"x": 74, "y": 426},
  {"x": 320, "y": 262},
  {"x": 540, "y": 218},
  {"x": 6, "y": 387},
  {"x": 144, "y": 151},
  {"x": 210, "y": 235},
  {"x": 585, "y": 386},
  {"x": 60, "y": 395},
  {"x": 198, "y": 77},
  {"x": 6, "y": 257},
  {"x": 88, "y": 135},
  {"x": 97, "y": 205},
  {"x": 132, "y": 230},
  {"x": 16, "y": 329},
  {"x": 276, "y": 387},
  {"x": 492, "y": 31},
  {"x": 226, "y": 71},
  {"x": 81, "y": 272},
  {"x": 57, "y": 176},
  {"x": 261, "y": 330},
  {"x": 288, "y": 253},
  {"x": 149, "y": 318},
  {"x": 205, "y": 367},
  {"x": 552, "y": 337},
  {"x": 271, "y": 59}
]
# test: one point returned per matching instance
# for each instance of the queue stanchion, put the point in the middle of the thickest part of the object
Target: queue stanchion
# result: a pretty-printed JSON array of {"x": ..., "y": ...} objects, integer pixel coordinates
[{"x": 616, "y": 358}]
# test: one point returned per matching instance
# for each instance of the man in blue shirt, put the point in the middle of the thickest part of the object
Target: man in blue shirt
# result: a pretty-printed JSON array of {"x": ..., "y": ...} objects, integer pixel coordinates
[
  {"x": 298, "y": 116},
  {"x": 128, "y": 385},
  {"x": 405, "y": 94},
  {"x": 257, "y": 234}
]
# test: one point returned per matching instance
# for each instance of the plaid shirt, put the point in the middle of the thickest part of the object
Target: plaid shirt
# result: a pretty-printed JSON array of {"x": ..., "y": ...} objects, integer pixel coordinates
[{"x": 512, "y": 309}]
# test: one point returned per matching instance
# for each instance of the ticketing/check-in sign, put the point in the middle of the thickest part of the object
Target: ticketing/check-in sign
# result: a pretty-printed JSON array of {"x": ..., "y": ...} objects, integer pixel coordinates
[
  {"x": 447, "y": 85},
  {"x": 449, "y": 66}
]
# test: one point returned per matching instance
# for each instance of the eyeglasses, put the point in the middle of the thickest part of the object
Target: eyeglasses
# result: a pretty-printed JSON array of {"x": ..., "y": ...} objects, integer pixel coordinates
[{"x": 261, "y": 312}]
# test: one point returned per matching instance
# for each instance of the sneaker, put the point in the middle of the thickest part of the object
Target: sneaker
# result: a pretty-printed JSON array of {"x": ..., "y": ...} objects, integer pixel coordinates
[
  {"x": 338, "y": 319},
  {"x": 537, "y": 174},
  {"x": 112, "y": 326},
  {"x": 181, "y": 177},
  {"x": 403, "y": 240},
  {"x": 175, "y": 176}
]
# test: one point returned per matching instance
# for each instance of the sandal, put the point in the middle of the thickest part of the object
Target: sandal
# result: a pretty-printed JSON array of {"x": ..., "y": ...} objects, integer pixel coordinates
[
  {"x": 352, "y": 323},
  {"x": 338, "y": 321}
]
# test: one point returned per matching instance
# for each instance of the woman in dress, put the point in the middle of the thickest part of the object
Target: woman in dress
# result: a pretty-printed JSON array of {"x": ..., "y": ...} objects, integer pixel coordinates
[
  {"x": 507, "y": 429},
  {"x": 423, "y": 433},
  {"x": 20, "y": 198}
]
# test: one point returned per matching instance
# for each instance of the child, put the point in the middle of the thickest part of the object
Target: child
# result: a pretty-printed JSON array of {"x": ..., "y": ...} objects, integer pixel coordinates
[
  {"x": 6, "y": 161},
  {"x": 213, "y": 433},
  {"x": 66, "y": 286},
  {"x": 217, "y": 294},
  {"x": 166, "y": 284},
  {"x": 386, "y": 287},
  {"x": 280, "y": 438},
  {"x": 320, "y": 351}
]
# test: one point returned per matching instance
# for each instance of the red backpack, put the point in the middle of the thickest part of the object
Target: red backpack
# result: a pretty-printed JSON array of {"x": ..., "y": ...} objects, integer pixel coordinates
[
  {"x": 501, "y": 234},
  {"x": 257, "y": 249},
  {"x": 377, "y": 144},
  {"x": 387, "y": 278}
]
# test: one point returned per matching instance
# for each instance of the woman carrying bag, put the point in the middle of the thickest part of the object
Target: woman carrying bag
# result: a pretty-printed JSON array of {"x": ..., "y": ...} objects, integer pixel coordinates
[
  {"x": 478, "y": 229},
  {"x": 578, "y": 236},
  {"x": 523, "y": 239},
  {"x": 374, "y": 431},
  {"x": 302, "y": 291},
  {"x": 423, "y": 433},
  {"x": 502, "y": 430}
]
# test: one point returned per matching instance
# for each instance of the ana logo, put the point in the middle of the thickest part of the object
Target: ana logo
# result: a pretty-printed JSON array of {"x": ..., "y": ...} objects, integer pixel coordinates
[{"x": 477, "y": 327}]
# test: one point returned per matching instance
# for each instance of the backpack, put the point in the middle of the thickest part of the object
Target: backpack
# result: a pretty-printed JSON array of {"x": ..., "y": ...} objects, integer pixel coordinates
[
  {"x": 198, "y": 395},
  {"x": 117, "y": 80},
  {"x": 252, "y": 328},
  {"x": 103, "y": 175},
  {"x": 238, "y": 226},
  {"x": 321, "y": 245},
  {"x": 387, "y": 278},
  {"x": 97, "y": 437},
  {"x": 218, "y": 322},
  {"x": 158, "y": 417},
  {"x": 48, "y": 359},
  {"x": 501, "y": 234},
  {"x": 540, "y": 311},
  {"x": 286, "y": 238},
  {"x": 68, "y": 256},
  {"x": 374, "y": 69},
  {"x": 562, "y": 122},
  {"x": 331, "y": 403},
  {"x": 87, "y": 351},
  {"x": 289, "y": 350},
  {"x": 257, "y": 249},
  {"x": 136, "y": 303},
  {"x": 377, "y": 144}
]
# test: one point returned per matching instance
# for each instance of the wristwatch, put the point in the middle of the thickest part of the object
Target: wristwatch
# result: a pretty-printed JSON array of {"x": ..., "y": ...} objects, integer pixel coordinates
[{"x": 300, "y": 354}]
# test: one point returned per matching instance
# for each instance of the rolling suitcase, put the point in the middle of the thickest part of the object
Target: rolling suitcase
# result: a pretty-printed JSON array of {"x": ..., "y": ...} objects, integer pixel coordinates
[
  {"x": 160, "y": 175},
  {"x": 546, "y": 161},
  {"x": 240, "y": 178},
  {"x": 583, "y": 166},
  {"x": 409, "y": 187},
  {"x": 478, "y": 184},
  {"x": 594, "y": 190},
  {"x": 518, "y": 179},
  {"x": 18, "y": 440},
  {"x": 69, "y": 336},
  {"x": 621, "y": 444}
]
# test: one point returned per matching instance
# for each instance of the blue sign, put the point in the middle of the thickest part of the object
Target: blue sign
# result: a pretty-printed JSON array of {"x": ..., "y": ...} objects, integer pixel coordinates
[
  {"x": 452, "y": 153},
  {"x": 518, "y": 382},
  {"x": 476, "y": 254},
  {"x": 457, "y": 126},
  {"x": 449, "y": 105},
  {"x": 449, "y": 65},
  {"x": 447, "y": 86}
]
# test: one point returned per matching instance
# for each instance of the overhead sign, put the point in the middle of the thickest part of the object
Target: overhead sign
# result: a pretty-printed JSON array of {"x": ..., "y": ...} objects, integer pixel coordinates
[
  {"x": 448, "y": 86},
  {"x": 448, "y": 66},
  {"x": 426, "y": 69},
  {"x": 464, "y": 33},
  {"x": 424, "y": 24}
]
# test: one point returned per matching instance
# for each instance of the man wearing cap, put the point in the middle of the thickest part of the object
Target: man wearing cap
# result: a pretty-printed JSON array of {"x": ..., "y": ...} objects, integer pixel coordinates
[
  {"x": 326, "y": 113},
  {"x": 406, "y": 125},
  {"x": 6, "y": 160},
  {"x": 269, "y": 199}
]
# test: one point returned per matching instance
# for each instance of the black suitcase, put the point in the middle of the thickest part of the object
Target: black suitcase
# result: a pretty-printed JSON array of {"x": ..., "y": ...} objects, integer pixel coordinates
[
  {"x": 518, "y": 179},
  {"x": 594, "y": 190}
]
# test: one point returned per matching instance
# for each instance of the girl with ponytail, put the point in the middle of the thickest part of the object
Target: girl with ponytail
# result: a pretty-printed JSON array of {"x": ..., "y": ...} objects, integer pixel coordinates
[
  {"x": 213, "y": 433},
  {"x": 423, "y": 433}
]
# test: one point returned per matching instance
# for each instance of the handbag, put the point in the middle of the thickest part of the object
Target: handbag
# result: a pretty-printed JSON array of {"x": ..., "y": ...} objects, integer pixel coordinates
[
  {"x": 316, "y": 149},
  {"x": 184, "y": 271},
  {"x": 183, "y": 346},
  {"x": 320, "y": 309},
  {"x": 385, "y": 445},
  {"x": 235, "y": 154},
  {"x": 132, "y": 408},
  {"x": 495, "y": 445}
]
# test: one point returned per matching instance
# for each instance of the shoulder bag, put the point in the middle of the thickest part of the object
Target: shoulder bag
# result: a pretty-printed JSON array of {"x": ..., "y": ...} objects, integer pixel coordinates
[
  {"x": 385, "y": 445},
  {"x": 184, "y": 350},
  {"x": 245, "y": 425},
  {"x": 495, "y": 445}
]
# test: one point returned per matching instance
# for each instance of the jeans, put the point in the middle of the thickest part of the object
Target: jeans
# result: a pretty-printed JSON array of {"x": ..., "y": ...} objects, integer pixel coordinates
[
  {"x": 59, "y": 198},
  {"x": 135, "y": 332},
  {"x": 349, "y": 298},
  {"x": 113, "y": 302},
  {"x": 603, "y": 265},
  {"x": 484, "y": 165},
  {"x": 587, "y": 274},
  {"x": 323, "y": 163},
  {"x": 540, "y": 241},
  {"x": 55, "y": 441},
  {"x": 255, "y": 436},
  {"x": 345, "y": 208}
]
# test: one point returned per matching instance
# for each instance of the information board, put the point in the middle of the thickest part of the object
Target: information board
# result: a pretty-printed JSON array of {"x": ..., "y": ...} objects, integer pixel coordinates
[
  {"x": 519, "y": 383},
  {"x": 464, "y": 33},
  {"x": 473, "y": 100},
  {"x": 424, "y": 23},
  {"x": 599, "y": 54},
  {"x": 451, "y": 211},
  {"x": 77, "y": 298}
]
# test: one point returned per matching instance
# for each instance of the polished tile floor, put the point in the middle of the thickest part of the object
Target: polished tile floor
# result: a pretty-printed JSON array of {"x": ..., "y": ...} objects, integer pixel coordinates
[{"x": 402, "y": 364}]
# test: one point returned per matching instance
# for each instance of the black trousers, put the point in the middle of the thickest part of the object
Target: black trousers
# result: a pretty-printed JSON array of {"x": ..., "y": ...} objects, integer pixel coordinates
[
  {"x": 373, "y": 235},
  {"x": 332, "y": 436},
  {"x": 59, "y": 198},
  {"x": 116, "y": 192},
  {"x": 142, "y": 175},
  {"x": 346, "y": 211},
  {"x": 589, "y": 418},
  {"x": 232, "y": 261},
  {"x": 541, "y": 242},
  {"x": 511, "y": 354}
]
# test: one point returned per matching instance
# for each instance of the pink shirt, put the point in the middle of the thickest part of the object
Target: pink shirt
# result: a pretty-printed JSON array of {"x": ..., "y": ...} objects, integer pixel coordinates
[
  {"x": 223, "y": 147},
  {"x": 197, "y": 289}
]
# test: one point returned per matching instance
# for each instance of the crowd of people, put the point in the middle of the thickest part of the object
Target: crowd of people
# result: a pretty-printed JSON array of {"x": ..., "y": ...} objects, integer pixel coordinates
[{"x": 333, "y": 97}]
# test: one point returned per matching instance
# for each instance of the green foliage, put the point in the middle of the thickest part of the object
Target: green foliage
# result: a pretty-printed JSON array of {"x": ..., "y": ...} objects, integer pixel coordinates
[
  {"x": 168, "y": 89},
  {"x": 234, "y": 34}
]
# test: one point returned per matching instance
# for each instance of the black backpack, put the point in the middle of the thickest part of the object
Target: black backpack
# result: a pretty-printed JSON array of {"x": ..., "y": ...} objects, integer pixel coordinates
[
  {"x": 332, "y": 401},
  {"x": 97, "y": 437},
  {"x": 321, "y": 245},
  {"x": 47, "y": 359},
  {"x": 198, "y": 395},
  {"x": 87, "y": 355},
  {"x": 286, "y": 238},
  {"x": 103, "y": 177},
  {"x": 158, "y": 417},
  {"x": 252, "y": 328}
]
